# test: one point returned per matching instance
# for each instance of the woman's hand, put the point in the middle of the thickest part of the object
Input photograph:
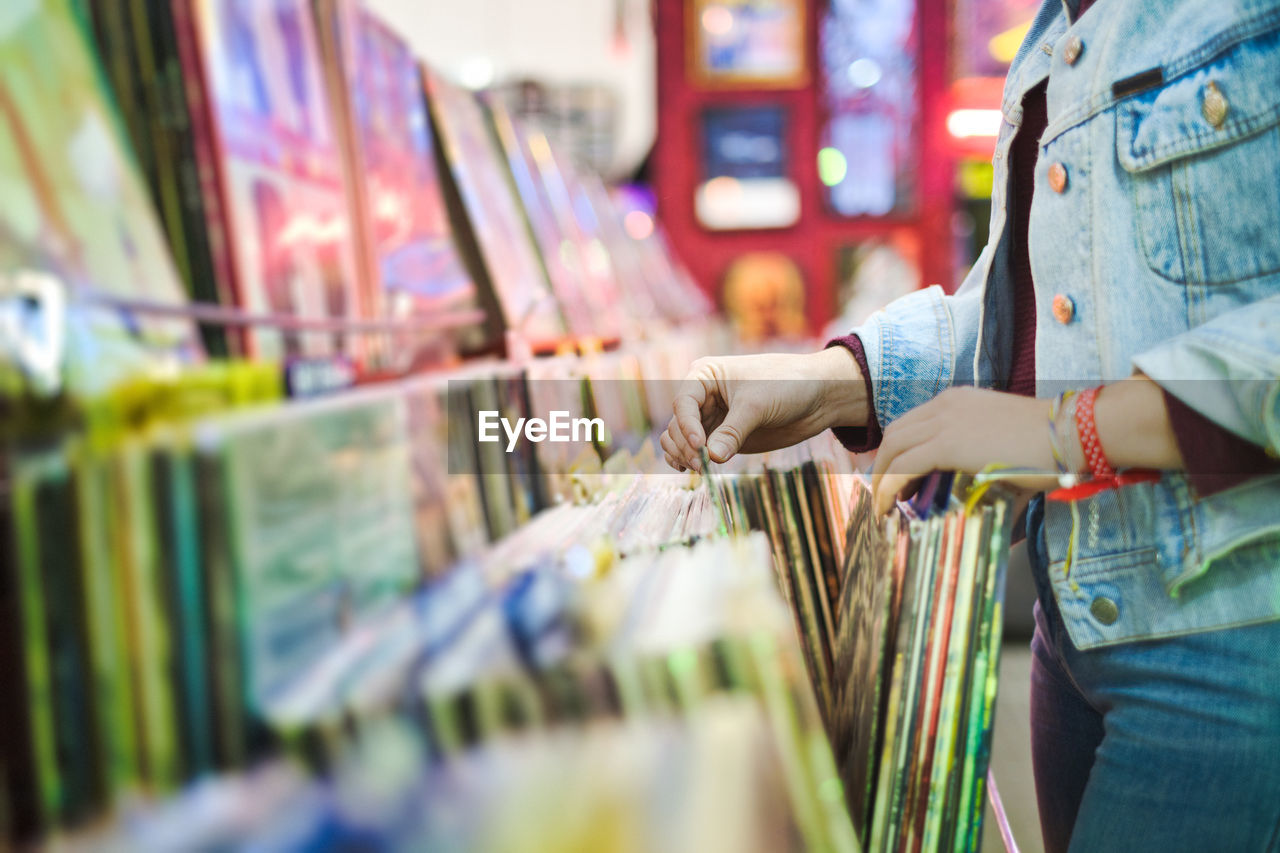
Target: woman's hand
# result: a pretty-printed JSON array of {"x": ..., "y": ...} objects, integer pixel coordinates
[
  {"x": 963, "y": 429},
  {"x": 756, "y": 403}
]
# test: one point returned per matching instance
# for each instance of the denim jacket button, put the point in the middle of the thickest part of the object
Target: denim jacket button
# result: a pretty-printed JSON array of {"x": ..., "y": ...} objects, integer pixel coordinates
[
  {"x": 1104, "y": 610},
  {"x": 1057, "y": 177},
  {"x": 1214, "y": 106},
  {"x": 1072, "y": 51},
  {"x": 1064, "y": 309}
]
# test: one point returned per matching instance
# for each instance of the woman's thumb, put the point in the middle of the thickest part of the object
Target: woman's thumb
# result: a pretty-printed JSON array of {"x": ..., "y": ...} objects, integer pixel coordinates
[{"x": 727, "y": 439}]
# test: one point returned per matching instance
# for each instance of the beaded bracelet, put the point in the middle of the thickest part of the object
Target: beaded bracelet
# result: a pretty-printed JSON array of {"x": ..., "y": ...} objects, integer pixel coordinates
[{"x": 1087, "y": 430}]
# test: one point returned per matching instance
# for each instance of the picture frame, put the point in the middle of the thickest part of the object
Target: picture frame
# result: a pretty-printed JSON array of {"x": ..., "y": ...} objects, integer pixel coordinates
[{"x": 747, "y": 44}]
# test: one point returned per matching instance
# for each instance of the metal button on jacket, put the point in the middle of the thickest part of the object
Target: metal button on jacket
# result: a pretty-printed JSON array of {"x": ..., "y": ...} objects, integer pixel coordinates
[
  {"x": 1064, "y": 308},
  {"x": 1104, "y": 610},
  {"x": 1071, "y": 52},
  {"x": 1057, "y": 177},
  {"x": 1214, "y": 106}
]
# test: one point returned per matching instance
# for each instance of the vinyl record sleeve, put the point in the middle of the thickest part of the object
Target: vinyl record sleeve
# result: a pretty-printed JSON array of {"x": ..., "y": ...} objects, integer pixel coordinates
[
  {"x": 560, "y": 255},
  {"x": 81, "y": 772},
  {"x": 954, "y": 821},
  {"x": 196, "y": 262},
  {"x": 930, "y": 578},
  {"x": 509, "y": 258},
  {"x": 935, "y": 668},
  {"x": 448, "y": 520},
  {"x": 815, "y": 566},
  {"x": 103, "y": 616},
  {"x": 955, "y": 676},
  {"x": 409, "y": 266},
  {"x": 317, "y": 504},
  {"x": 182, "y": 588},
  {"x": 74, "y": 206},
  {"x": 993, "y": 631},
  {"x": 147, "y": 632},
  {"x": 896, "y": 719},
  {"x": 31, "y": 763},
  {"x": 281, "y": 181},
  {"x": 813, "y": 641},
  {"x": 861, "y": 668}
]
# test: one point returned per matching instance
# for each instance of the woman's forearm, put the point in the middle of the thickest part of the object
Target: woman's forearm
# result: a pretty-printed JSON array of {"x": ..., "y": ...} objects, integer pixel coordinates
[
  {"x": 846, "y": 402},
  {"x": 1134, "y": 427}
]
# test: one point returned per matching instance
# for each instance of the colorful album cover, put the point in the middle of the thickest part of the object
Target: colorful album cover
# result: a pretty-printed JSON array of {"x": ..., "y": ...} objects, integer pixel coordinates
[
  {"x": 510, "y": 260},
  {"x": 317, "y": 501},
  {"x": 74, "y": 212},
  {"x": 955, "y": 676},
  {"x": 409, "y": 261},
  {"x": 282, "y": 182},
  {"x": 560, "y": 255},
  {"x": 864, "y": 609},
  {"x": 581, "y": 198},
  {"x": 448, "y": 509}
]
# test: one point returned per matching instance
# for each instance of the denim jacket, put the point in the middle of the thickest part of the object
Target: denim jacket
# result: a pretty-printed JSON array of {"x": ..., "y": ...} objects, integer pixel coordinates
[{"x": 1163, "y": 246}]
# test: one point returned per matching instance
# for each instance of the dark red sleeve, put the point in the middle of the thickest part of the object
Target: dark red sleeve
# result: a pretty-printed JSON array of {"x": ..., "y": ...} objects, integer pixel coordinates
[
  {"x": 859, "y": 439},
  {"x": 1216, "y": 458}
]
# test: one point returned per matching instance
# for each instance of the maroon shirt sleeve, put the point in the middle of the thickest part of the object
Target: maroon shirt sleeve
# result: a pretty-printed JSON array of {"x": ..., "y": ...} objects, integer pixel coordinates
[
  {"x": 859, "y": 439},
  {"x": 1216, "y": 458}
]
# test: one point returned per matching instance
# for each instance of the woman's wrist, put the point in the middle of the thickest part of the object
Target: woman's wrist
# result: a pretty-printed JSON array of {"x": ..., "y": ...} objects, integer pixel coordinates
[
  {"x": 1133, "y": 425},
  {"x": 844, "y": 390}
]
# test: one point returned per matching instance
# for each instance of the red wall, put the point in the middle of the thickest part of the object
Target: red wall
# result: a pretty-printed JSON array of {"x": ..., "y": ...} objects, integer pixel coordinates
[{"x": 814, "y": 240}]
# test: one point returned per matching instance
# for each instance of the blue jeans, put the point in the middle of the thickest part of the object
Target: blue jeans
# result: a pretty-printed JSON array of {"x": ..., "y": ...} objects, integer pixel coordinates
[{"x": 1164, "y": 745}]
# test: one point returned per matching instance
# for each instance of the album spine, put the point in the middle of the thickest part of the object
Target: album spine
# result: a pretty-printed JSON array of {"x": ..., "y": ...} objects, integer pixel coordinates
[{"x": 208, "y": 164}]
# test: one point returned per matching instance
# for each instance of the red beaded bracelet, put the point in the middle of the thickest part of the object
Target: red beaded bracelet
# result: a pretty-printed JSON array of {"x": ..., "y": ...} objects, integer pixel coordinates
[{"x": 1087, "y": 430}]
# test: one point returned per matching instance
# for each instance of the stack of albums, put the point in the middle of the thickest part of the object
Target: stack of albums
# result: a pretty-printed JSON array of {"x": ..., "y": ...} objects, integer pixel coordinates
[{"x": 900, "y": 625}]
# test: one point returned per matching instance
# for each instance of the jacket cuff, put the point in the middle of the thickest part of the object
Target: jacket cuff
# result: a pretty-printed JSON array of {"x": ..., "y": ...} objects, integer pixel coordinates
[
  {"x": 1216, "y": 458},
  {"x": 859, "y": 439}
]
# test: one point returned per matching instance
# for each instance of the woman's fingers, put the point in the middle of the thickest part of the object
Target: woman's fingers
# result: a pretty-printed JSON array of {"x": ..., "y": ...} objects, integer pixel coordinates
[
  {"x": 669, "y": 450},
  {"x": 680, "y": 447},
  {"x": 694, "y": 395},
  {"x": 897, "y": 476},
  {"x": 901, "y": 436}
]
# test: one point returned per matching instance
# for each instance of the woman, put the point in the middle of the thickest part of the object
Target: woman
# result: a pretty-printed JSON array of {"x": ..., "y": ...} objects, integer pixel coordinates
[{"x": 1135, "y": 259}]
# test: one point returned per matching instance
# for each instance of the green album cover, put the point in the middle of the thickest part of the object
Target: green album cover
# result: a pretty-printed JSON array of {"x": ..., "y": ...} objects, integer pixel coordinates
[
  {"x": 73, "y": 206},
  {"x": 320, "y": 527},
  {"x": 104, "y": 616}
]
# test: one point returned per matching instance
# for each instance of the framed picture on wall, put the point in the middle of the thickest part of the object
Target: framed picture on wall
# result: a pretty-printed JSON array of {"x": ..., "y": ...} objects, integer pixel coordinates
[
  {"x": 747, "y": 43},
  {"x": 746, "y": 180}
]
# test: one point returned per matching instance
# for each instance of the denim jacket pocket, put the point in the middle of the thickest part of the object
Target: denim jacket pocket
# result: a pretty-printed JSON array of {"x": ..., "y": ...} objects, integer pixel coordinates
[{"x": 1202, "y": 153}]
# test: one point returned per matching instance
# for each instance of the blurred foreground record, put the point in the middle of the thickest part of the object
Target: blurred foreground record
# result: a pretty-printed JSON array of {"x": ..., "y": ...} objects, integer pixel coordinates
[
  {"x": 83, "y": 782},
  {"x": 183, "y": 592},
  {"x": 317, "y": 504},
  {"x": 73, "y": 205},
  {"x": 105, "y": 619},
  {"x": 434, "y": 498},
  {"x": 488, "y": 220},
  {"x": 148, "y": 633},
  {"x": 30, "y": 783}
]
